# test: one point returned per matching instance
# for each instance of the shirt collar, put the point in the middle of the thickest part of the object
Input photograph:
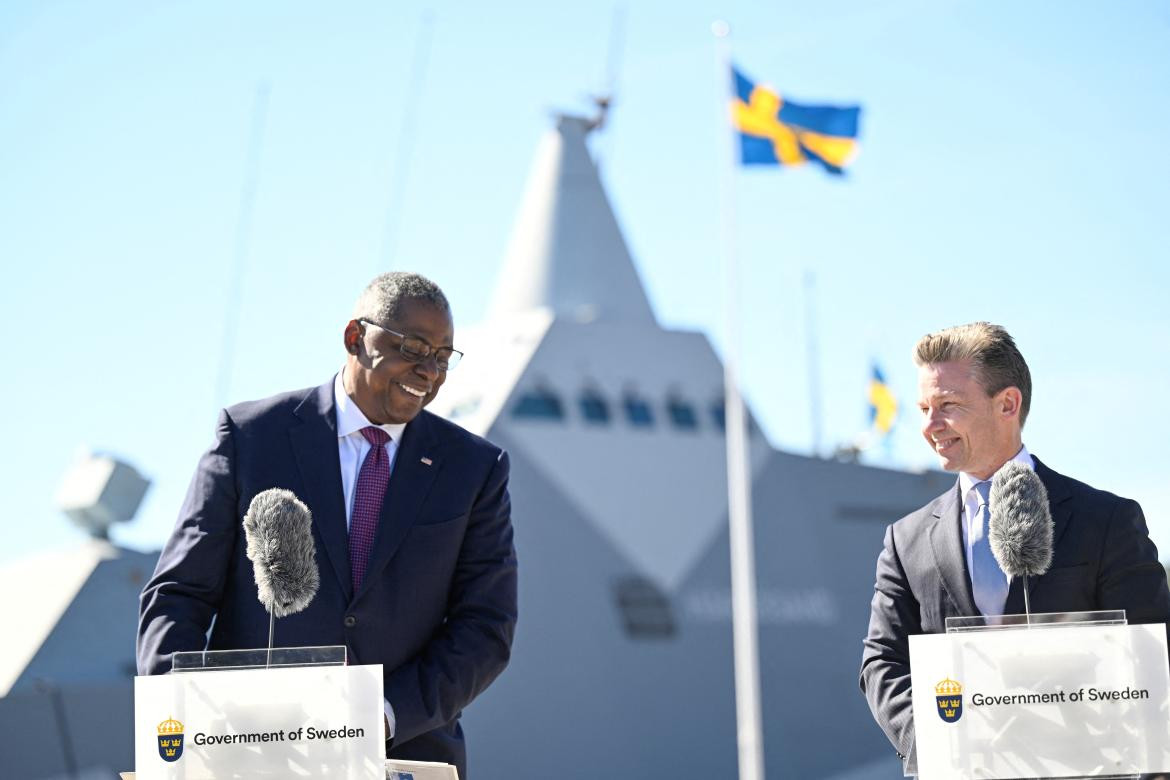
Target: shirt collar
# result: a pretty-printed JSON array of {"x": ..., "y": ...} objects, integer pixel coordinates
[
  {"x": 350, "y": 419},
  {"x": 967, "y": 481}
]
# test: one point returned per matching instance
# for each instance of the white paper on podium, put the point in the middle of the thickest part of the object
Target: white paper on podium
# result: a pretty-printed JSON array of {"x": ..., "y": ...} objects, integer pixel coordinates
[
  {"x": 399, "y": 769},
  {"x": 1042, "y": 702},
  {"x": 323, "y": 722}
]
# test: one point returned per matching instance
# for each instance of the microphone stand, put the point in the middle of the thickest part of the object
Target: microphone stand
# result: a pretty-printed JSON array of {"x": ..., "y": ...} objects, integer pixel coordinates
[
  {"x": 272, "y": 628},
  {"x": 1027, "y": 602}
]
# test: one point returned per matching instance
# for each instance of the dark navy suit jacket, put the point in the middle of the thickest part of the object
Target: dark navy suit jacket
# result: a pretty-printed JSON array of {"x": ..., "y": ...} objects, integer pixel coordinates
[
  {"x": 438, "y": 605},
  {"x": 1102, "y": 559}
]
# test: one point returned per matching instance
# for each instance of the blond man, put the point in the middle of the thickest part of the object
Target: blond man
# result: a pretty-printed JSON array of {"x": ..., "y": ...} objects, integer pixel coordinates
[{"x": 975, "y": 391}]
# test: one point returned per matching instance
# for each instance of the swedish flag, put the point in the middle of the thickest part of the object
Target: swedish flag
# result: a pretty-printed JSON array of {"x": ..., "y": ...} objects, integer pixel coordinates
[
  {"x": 883, "y": 407},
  {"x": 774, "y": 131}
]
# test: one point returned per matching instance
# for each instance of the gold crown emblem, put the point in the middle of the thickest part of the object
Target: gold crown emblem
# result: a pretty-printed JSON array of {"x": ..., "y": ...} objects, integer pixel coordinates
[
  {"x": 948, "y": 687},
  {"x": 170, "y": 726}
]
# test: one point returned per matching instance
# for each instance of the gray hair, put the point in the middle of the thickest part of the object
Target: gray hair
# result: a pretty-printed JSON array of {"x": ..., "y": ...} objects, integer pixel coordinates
[
  {"x": 383, "y": 298},
  {"x": 991, "y": 351}
]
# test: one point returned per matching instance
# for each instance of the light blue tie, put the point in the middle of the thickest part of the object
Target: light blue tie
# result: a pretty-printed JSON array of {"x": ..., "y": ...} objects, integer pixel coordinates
[{"x": 989, "y": 585}]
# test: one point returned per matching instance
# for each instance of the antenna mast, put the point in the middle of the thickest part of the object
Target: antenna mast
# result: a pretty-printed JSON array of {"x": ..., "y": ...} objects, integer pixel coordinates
[
  {"x": 604, "y": 99},
  {"x": 401, "y": 172},
  {"x": 227, "y": 355}
]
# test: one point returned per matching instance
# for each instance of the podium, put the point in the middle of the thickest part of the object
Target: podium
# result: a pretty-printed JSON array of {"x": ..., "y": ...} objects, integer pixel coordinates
[
  {"x": 286, "y": 713},
  {"x": 395, "y": 770},
  {"x": 1060, "y": 695}
]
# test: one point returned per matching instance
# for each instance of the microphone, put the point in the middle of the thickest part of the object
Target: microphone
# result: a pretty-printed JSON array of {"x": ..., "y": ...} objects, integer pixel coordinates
[
  {"x": 1020, "y": 528},
  {"x": 278, "y": 528}
]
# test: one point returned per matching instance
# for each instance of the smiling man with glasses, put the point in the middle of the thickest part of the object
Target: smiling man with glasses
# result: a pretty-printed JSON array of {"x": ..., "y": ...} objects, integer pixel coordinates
[{"x": 412, "y": 522}]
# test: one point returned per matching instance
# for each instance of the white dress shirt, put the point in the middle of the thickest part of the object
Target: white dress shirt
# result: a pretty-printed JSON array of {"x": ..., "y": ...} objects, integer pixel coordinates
[
  {"x": 971, "y": 501},
  {"x": 352, "y": 447}
]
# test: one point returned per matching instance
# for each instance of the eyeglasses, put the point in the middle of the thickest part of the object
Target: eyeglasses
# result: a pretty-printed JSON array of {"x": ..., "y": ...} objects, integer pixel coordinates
[{"x": 417, "y": 350}]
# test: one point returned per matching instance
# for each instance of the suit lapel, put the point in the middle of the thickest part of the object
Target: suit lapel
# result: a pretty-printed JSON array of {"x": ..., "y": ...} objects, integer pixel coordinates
[
  {"x": 946, "y": 540},
  {"x": 314, "y": 444},
  {"x": 1058, "y": 499},
  {"x": 1061, "y": 509},
  {"x": 409, "y": 484}
]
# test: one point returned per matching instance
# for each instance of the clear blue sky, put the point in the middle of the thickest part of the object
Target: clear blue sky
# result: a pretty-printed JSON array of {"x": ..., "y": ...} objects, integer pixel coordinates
[{"x": 1014, "y": 168}]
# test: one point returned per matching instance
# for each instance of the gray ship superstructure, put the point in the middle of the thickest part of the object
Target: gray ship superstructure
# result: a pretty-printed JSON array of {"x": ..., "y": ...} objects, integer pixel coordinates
[{"x": 623, "y": 656}]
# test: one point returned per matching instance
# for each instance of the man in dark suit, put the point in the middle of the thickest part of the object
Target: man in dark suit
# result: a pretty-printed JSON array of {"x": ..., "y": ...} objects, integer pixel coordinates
[
  {"x": 411, "y": 519},
  {"x": 974, "y": 394}
]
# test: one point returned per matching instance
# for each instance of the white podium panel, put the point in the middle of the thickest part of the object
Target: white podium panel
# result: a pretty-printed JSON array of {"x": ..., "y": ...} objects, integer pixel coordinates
[
  {"x": 1076, "y": 701},
  {"x": 266, "y": 723}
]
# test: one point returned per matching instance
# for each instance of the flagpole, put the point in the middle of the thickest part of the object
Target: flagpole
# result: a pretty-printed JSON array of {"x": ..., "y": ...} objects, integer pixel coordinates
[
  {"x": 749, "y": 731},
  {"x": 814, "y": 363}
]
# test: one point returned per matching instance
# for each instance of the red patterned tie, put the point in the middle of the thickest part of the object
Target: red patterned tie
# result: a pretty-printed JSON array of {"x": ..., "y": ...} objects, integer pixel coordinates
[{"x": 367, "y": 502}]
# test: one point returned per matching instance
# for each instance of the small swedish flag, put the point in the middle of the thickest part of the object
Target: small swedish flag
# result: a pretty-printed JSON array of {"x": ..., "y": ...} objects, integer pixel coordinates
[{"x": 883, "y": 407}]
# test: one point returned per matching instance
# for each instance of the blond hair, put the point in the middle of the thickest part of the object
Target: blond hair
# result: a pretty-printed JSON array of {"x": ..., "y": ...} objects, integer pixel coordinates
[{"x": 992, "y": 353}]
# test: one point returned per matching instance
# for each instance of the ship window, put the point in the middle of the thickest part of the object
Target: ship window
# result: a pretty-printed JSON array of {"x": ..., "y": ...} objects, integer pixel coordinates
[
  {"x": 638, "y": 412},
  {"x": 719, "y": 414},
  {"x": 645, "y": 610},
  {"x": 593, "y": 407},
  {"x": 540, "y": 404},
  {"x": 682, "y": 414},
  {"x": 464, "y": 408}
]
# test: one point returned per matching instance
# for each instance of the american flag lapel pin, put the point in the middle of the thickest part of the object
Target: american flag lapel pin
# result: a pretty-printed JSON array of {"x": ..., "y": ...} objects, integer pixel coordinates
[{"x": 426, "y": 461}]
